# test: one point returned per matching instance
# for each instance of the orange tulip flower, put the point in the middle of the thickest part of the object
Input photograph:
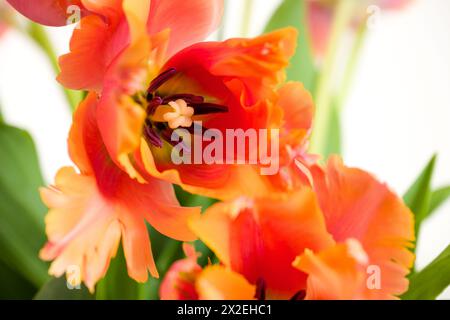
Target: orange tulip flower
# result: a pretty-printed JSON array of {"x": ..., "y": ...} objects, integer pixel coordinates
[
  {"x": 145, "y": 96},
  {"x": 229, "y": 85},
  {"x": 237, "y": 84},
  {"x": 347, "y": 239},
  {"x": 92, "y": 210}
]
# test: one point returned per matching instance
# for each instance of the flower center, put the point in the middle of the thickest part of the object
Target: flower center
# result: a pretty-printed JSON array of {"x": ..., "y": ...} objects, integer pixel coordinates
[
  {"x": 167, "y": 113},
  {"x": 177, "y": 114}
]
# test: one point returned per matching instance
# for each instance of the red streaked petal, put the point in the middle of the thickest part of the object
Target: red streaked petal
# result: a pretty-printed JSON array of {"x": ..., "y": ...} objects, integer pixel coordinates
[
  {"x": 261, "y": 238},
  {"x": 357, "y": 206},
  {"x": 101, "y": 39},
  {"x": 189, "y": 21},
  {"x": 179, "y": 281},
  {"x": 257, "y": 64},
  {"x": 85, "y": 66},
  {"x": 82, "y": 227}
]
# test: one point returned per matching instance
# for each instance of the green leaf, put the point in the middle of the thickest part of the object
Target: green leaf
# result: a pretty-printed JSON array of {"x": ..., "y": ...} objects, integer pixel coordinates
[
  {"x": 117, "y": 285},
  {"x": 56, "y": 289},
  {"x": 418, "y": 197},
  {"x": 13, "y": 285},
  {"x": 438, "y": 197},
  {"x": 187, "y": 199},
  {"x": 21, "y": 210},
  {"x": 294, "y": 13},
  {"x": 429, "y": 283}
]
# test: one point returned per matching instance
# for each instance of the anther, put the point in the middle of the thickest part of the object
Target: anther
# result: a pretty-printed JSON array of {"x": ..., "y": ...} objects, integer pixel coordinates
[
  {"x": 151, "y": 136},
  {"x": 208, "y": 108},
  {"x": 189, "y": 98},
  {"x": 301, "y": 295},
  {"x": 153, "y": 104},
  {"x": 161, "y": 79},
  {"x": 260, "y": 293}
]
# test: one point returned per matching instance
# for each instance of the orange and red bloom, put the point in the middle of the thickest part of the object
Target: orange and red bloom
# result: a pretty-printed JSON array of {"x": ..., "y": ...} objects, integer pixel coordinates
[
  {"x": 92, "y": 210},
  {"x": 133, "y": 62},
  {"x": 307, "y": 232},
  {"x": 319, "y": 242}
]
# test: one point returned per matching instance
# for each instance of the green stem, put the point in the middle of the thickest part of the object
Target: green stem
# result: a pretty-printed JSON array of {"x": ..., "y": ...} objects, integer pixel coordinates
[
  {"x": 323, "y": 95},
  {"x": 247, "y": 17},
  {"x": 169, "y": 254},
  {"x": 40, "y": 37},
  {"x": 351, "y": 67}
]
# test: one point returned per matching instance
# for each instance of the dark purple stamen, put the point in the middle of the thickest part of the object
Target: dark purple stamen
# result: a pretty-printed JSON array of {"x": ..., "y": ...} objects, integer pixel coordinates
[
  {"x": 161, "y": 79},
  {"x": 207, "y": 108},
  {"x": 167, "y": 135},
  {"x": 260, "y": 293},
  {"x": 301, "y": 295},
  {"x": 153, "y": 104},
  {"x": 151, "y": 136},
  {"x": 189, "y": 98}
]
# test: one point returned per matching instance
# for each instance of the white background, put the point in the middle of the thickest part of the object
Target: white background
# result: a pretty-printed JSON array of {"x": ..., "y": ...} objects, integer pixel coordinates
[{"x": 397, "y": 115}]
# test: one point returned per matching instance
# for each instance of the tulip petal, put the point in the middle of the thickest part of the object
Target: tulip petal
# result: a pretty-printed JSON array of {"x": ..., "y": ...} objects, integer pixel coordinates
[
  {"x": 247, "y": 68},
  {"x": 85, "y": 66},
  {"x": 219, "y": 283},
  {"x": 189, "y": 21},
  {"x": 179, "y": 281},
  {"x": 223, "y": 182},
  {"x": 357, "y": 206},
  {"x": 99, "y": 40},
  {"x": 335, "y": 273},
  {"x": 261, "y": 238},
  {"x": 298, "y": 108}
]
